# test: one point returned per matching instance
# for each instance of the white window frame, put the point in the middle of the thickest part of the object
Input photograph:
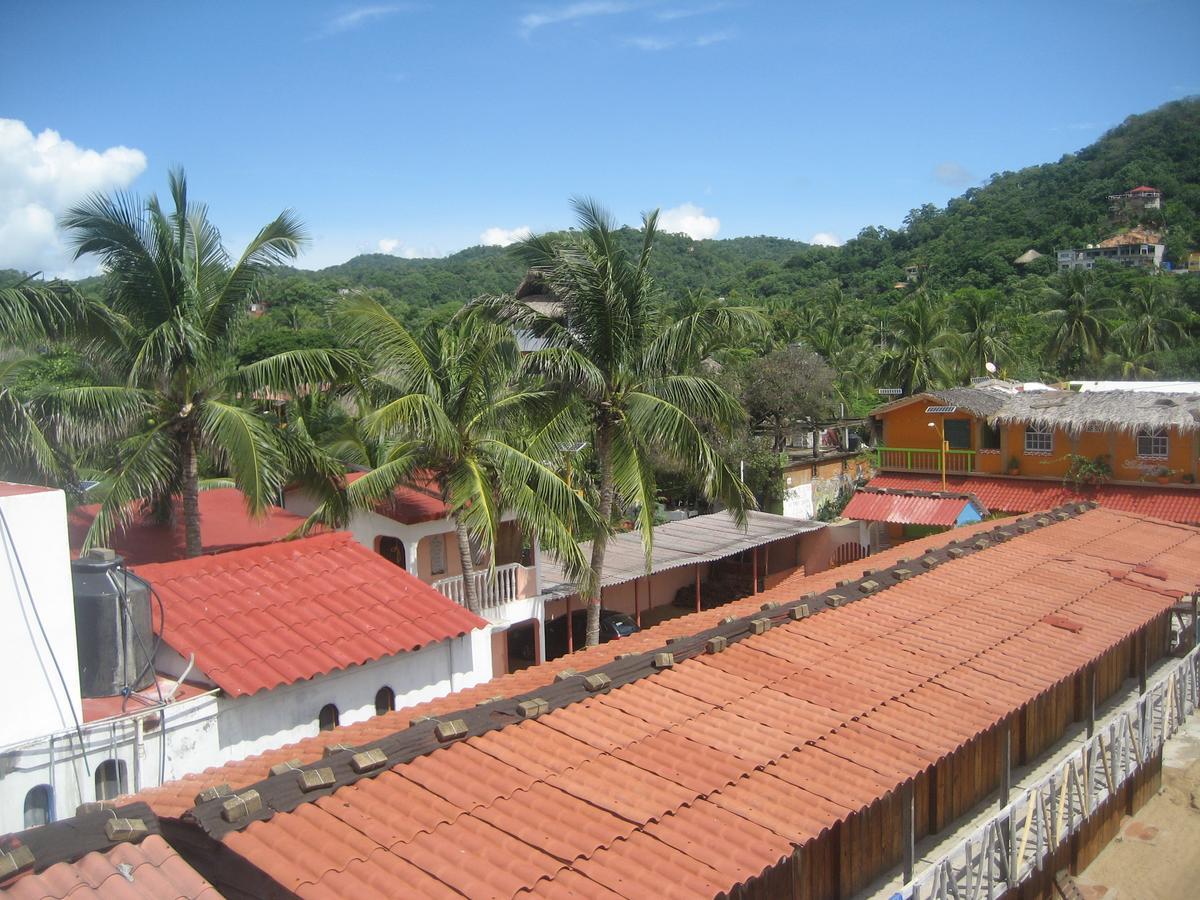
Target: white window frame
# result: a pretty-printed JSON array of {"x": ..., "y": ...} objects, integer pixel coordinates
[
  {"x": 1154, "y": 438},
  {"x": 1043, "y": 443}
]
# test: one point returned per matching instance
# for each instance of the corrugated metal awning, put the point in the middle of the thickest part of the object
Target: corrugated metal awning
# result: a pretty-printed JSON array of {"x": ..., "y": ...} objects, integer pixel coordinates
[{"x": 688, "y": 541}]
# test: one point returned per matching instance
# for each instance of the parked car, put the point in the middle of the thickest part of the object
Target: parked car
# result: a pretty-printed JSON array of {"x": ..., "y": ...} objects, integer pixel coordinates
[{"x": 613, "y": 625}]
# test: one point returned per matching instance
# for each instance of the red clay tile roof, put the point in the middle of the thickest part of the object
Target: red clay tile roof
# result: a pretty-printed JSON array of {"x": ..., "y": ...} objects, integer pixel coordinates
[
  {"x": 272, "y": 615},
  {"x": 155, "y": 871},
  {"x": 1144, "y": 189},
  {"x": 876, "y": 506},
  {"x": 224, "y": 525},
  {"x": 13, "y": 489},
  {"x": 409, "y": 506},
  {"x": 173, "y": 798},
  {"x": 703, "y": 775},
  {"x": 1019, "y": 495}
]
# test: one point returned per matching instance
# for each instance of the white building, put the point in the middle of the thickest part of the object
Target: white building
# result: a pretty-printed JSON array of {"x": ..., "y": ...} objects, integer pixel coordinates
[
  {"x": 414, "y": 531},
  {"x": 260, "y": 647}
]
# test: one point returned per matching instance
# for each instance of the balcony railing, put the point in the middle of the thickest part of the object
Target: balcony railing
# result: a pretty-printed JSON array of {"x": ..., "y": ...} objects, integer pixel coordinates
[
  {"x": 503, "y": 585},
  {"x": 917, "y": 459}
]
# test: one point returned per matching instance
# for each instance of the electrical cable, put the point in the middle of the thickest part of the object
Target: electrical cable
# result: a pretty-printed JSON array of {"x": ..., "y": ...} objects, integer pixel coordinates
[
  {"x": 162, "y": 619},
  {"x": 42, "y": 628}
]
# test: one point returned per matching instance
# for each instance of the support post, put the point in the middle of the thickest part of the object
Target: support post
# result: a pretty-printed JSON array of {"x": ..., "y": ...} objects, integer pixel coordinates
[
  {"x": 753, "y": 571},
  {"x": 1091, "y": 700},
  {"x": 697, "y": 587},
  {"x": 766, "y": 564},
  {"x": 1143, "y": 651},
  {"x": 908, "y": 821},
  {"x": 1195, "y": 621},
  {"x": 570, "y": 629},
  {"x": 1005, "y": 764},
  {"x": 637, "y": 609}
]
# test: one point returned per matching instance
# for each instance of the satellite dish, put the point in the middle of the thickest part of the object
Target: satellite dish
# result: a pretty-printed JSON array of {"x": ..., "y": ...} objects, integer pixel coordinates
[{"x": 991, "y": 367}]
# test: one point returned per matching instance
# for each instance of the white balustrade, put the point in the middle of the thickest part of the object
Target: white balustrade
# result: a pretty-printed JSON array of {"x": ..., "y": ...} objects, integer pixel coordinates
[{"x": 493, "y": 588}]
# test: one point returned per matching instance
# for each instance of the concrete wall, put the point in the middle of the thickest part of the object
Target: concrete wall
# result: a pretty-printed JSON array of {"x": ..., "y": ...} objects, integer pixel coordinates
[
  {"x": 194, "y": 734},
  {"x": 169, "y": 746},
  {"x": 35, "y": 583},
  {"x": 250, "y": 725},
  {"x": 810, "y": 483}
]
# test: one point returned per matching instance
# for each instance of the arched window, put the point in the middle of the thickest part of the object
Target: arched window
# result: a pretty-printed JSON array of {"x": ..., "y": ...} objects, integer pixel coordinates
[
  {"x": 111, "y": 779},
  {"x": 392, "y": 549},
  {"x": 327, "y": 719},
  {"x": 385, "y": 700},
  {"x": 39, "y": 806}
]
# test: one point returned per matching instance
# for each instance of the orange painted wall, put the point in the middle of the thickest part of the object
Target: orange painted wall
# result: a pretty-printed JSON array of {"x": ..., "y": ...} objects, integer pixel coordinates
[{"x": 907, "y": 427}]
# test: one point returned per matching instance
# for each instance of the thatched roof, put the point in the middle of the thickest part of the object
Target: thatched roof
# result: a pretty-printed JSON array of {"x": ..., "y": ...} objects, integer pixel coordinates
[
  {"x": 1027, "y": 257},
  {"x": 538, "y": 296},
  {"x": 977, "y": 401},
  {"x": 1103, "y": 410}
]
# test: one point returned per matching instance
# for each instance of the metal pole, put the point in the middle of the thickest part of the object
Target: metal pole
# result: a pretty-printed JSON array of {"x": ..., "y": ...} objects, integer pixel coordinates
[
  {"x": 944, "y": 448},
  {"x": 908, "y": 829},
  {"x": 637, "y": 609},
  {"x": 570, "y": 628},
  {"x": 753, "y": 571},
  {"x": 697, "y": 587}
]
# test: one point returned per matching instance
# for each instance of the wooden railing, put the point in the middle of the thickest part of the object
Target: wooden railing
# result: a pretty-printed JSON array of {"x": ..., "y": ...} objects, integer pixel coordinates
[
  {"x": 923, "y": 459},
  {"x": 503, "y": 586}
]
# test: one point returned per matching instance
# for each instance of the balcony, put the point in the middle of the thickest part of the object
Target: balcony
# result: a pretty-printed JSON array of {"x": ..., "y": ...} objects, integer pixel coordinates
[
  {"x": 921, "y": 459},
  {"x": 503, "y": 585}
]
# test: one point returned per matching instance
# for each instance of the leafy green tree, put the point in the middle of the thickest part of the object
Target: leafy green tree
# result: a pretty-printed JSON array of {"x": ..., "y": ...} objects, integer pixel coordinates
[
  {"x": 621, "y": 361},
  {"x": 984, "y": 334},
  {"x": 923, "y": 349},
  {"x": 1152, "y": 320},
  {"x": 451, "y": 418},
  {"x": 175, "y": 392},
  {"x": 784, "y": 389},
  {"x": 1079, "y": 316}
]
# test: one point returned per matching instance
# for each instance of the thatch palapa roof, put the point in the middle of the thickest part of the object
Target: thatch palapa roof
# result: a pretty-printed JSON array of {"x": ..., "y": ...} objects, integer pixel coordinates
[{"x": 1101, "y": 410}]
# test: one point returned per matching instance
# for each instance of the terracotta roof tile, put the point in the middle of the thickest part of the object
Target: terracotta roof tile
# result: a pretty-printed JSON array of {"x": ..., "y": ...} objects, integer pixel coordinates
[
  {"x": 697, "y": 777},
  {"x": 265, "y": 616},
  {"x": 1017, "y": 495},
  {"x": 155, "y": 871},
  {"x": 224, "y": 525}
]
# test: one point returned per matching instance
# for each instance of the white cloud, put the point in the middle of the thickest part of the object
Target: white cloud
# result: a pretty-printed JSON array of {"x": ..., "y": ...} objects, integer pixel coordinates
[
  {"x": 572, "y": 12},
  {"x": 651, "y": 43},
  {"x": 360, "y": 16},
  {"x": 716, "y": 37},
  {"x": 40, "y": 178},
  {"x": 689, "y": 219},
  {"x": 826, "y": 239},
  {"x": 668, "y": 43},
  {"x": 952, "y": 174},
  {"x": 397, "y": 247},
  {"x": 502, "y": 237},
  {"x": 672, "y": 15}
]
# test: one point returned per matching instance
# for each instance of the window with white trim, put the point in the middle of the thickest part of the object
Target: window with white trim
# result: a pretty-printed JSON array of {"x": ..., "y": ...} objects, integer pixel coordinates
[
  {"x": 1038, "y": 440},
  {"x": 1152, "y": 443}
]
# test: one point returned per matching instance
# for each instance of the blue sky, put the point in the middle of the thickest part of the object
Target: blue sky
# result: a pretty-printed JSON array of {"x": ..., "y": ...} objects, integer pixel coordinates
[{"x": 418, "y": 127}]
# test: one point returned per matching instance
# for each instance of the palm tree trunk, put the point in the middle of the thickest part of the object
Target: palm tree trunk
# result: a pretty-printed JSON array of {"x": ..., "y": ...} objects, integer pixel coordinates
[
  {"x": 191, "y": 498},
  {"x": 466, "y": 557},
  {"x": 600, "y": 541}
]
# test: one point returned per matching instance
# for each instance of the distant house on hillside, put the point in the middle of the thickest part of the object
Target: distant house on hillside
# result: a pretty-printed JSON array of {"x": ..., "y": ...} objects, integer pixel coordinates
[
  {"x": 538, "y": 296},
  {"x": 1136, "y": 200},
  {"x": 1027, "y": 257},
  {"x": 1138, "y": 247}
]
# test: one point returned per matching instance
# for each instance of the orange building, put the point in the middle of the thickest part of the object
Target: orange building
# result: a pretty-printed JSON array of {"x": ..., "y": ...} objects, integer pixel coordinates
[{"x": 1094, "y": 441}]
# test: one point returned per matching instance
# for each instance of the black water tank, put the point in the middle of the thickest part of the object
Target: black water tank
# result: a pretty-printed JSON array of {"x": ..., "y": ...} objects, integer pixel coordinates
[{"x": 113, "y": 630}]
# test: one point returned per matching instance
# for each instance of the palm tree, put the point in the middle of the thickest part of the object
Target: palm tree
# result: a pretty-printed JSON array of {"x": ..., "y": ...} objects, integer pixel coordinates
[
  {"x": 1079, "y": 317},
  {"x": 176, "y": 393},
  {"x": 983, "y": 333},
  {"x": 624, "y": 364},
  {"x": 452, "y": 419},
  {"x": 1152, "y": 319},
  {"x": 923, "y": 349}
]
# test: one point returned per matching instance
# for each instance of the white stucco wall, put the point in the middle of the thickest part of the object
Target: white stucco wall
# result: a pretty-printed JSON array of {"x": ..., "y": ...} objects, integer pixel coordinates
[
  {"x": 213, "y": 729},
  {"x": 188, "y": 728},
  {"x": 35, "y": 581},
  {"x": 268, "y": 719}
]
